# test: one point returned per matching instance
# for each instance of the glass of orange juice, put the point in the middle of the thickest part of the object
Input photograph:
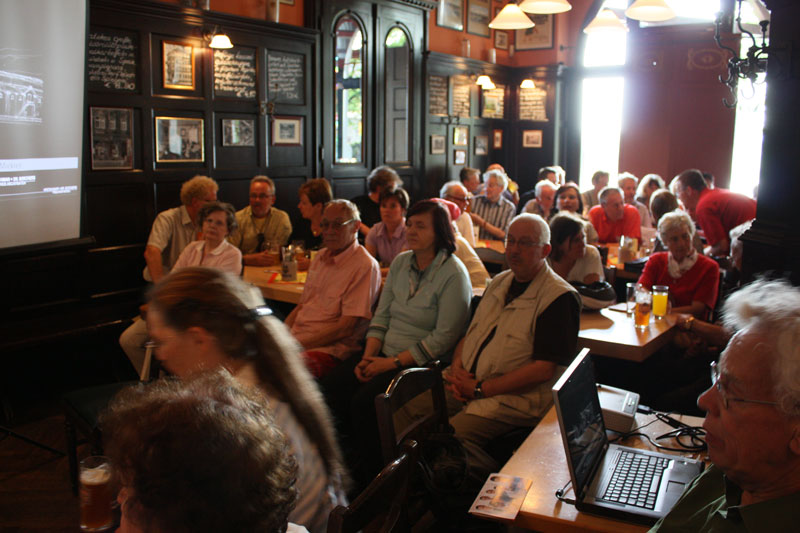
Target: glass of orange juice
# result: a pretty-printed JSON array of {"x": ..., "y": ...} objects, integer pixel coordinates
[{"x": 660, "y": 299}]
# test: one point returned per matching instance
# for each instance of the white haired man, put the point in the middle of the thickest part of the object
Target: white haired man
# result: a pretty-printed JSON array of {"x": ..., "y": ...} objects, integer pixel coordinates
[
  {"x": 752, "y": 421},
  {"x": 490, "y": 211},
  {"x": 628, "y": 183},
  {"x": 454, "y": 191},
  {"x": 542, "y": 204}
]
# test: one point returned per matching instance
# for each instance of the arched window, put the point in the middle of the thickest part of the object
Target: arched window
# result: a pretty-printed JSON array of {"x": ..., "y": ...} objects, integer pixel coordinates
[
  {"x": 348, "y": 71},
  {"x": 398, "y": 84}
]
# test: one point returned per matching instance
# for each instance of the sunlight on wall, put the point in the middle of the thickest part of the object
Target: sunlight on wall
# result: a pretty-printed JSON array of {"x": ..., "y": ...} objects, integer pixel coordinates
[{"x": 601, "y": 125}]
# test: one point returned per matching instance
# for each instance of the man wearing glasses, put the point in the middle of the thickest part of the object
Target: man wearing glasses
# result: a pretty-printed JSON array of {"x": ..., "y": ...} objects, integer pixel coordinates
[
  {"x": 455, "y": 192},
  {"x": 343, "y": 283},
  {"x": 260, "y": 225},
  {"x": 752, "y": 421}
]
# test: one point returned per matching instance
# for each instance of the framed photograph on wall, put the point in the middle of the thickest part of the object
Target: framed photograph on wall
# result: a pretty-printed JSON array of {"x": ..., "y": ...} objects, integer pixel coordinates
[
  {"x": 178, "y": 65},
  {"x": 238, "y": 132},
  {"x": 497, "y": 139},
  {"x": 179, "y": 140},
  {"x": 501, "y": 40},
  {"x": 461, "y": 135},
  {"x": 112, "y": 138},
  {"x": 538, "y": 37},
  {"x": 481, "y": 145},
  {"x": 532, "y": 138},
  {"x": 478, "y": 17},
  {"x": 450, "y": 14},
  {"x": 460, "y": 157},
  {"x": 287, "y": 131},
  {"x": 438, "y": 144}
]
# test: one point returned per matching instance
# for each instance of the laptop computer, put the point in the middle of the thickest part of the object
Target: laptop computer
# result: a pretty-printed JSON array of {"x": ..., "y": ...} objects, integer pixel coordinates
[{"x": 608, "y": 479}]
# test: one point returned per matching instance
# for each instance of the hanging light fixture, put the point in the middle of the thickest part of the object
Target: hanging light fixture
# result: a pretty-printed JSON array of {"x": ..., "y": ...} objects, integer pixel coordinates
[
  {"x": 485, "y": 82},
  {"x": 511, "y": 17},
  {"x": 650, "y": 11},
  {"x": 216, "y": 39},
  {"x": 545, "y": 7},
  {"x": 605, "y": 22},
  {"x": 527, "y": 84}
]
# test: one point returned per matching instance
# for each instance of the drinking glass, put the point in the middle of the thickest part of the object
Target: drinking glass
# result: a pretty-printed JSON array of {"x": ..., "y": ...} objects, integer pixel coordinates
[
  {"x": 644, "y": 303},
  {"x": 630, "y": 297},
  {"x": 96, "y": 494},
  {"x": 660, "y": 299}
]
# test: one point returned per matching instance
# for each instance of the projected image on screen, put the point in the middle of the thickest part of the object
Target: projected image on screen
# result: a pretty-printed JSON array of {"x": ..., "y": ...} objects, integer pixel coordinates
[{"x": 42, "y": 47}]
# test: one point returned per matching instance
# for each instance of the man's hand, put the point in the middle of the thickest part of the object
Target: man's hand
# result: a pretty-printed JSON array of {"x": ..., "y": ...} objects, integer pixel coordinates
[{"x": 461, "y": 384}]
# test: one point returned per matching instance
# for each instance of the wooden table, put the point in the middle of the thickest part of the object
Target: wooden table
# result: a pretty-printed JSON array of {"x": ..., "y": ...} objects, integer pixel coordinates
[
  {"x": 541, "y": 458},
  {"x": 490, "y": 251},
  {"x": 613, "y": 334},
  {"x": 271, "y": 290}
]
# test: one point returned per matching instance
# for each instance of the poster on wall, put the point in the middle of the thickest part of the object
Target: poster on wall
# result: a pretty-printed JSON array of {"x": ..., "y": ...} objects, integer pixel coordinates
[
  {"x": 179, "y": 140},
  {"x": 112, "y": 138},
  {"x": 501, "y": 40},
  {"x": 494, "y": 102},
  {"x": 478, "y": 17},
  {"x": 536, "y": 38},
  {"x": 450, "y": 14},
  {"x": 178, "y": 64},
  {"x": 532, "y": 138}
]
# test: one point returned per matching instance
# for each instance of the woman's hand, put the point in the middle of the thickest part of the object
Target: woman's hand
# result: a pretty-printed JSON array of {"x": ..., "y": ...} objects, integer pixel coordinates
[{"x": 371, "y": 365}]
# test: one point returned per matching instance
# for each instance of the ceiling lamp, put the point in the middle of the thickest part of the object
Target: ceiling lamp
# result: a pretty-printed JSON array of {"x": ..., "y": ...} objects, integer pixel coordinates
[
  {"x": 220, "y": 40},
  {"x": 485, "y": 82},
  {"x": 545, "y": 7},
  {"x": 511, "y": 17},
  {"x": 650, "y": 11},
  {"x": 605, "y": 22},
  {"x": 527, "y": 84}
]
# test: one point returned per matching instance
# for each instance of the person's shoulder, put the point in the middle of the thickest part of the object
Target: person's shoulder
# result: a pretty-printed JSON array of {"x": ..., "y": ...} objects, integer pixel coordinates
[
  {"x": 507, "y": 203},
  {"x": 595, "y": 211},
  {"x": 707, "y": 262},
  {"x": 243, "y": 211},
  {"x": 362, "y": 255},
  {"x": 592, "y": 251},
  {"x": 630, "y": 209},
  {"x": 279, "y": 212}
]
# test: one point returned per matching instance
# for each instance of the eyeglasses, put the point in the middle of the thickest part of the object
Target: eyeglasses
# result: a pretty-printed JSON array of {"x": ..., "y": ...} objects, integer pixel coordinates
[
  {"x": 261, "y": 196},
  {"x": 522, "y": 243},
  {"x": 458, "y": 199},
  {"x": 715, "y": 381},
  {"x": 325, "y": 224}
]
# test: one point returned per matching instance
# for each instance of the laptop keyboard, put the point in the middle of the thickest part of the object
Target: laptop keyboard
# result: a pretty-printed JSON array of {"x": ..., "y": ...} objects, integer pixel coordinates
[{"x": 636, "y": 479}]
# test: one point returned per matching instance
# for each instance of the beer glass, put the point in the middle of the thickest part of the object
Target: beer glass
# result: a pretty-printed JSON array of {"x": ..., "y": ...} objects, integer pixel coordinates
[
  {"x": 644, "y": 302},
  {"x": 96, "y": 494},
  {"x": 630, "y": 297},
  {"x": 660, "y": 299}
]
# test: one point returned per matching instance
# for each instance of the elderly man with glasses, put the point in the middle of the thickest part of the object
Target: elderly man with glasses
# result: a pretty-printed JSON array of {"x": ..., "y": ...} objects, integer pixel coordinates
[
  {"x": 260, "y": 223},
  {"x": 454, "y": 191},
  {"x": 752, "y": 421},
  {"x": 343, "y": 283}
]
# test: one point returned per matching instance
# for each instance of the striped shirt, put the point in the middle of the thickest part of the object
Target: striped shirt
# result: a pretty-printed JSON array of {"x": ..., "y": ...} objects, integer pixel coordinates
[{"x": 498, "y": 214}]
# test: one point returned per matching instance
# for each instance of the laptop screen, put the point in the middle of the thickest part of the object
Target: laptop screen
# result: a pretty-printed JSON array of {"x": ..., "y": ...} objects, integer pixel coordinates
[{"x": 581, "y": 419}]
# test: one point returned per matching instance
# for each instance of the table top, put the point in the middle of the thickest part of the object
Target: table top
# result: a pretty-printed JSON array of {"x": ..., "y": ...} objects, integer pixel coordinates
[
  {"x": 613, "y": 334},
  {"x": 265, "y": 278},
  {"x": 541, "y": 458}
]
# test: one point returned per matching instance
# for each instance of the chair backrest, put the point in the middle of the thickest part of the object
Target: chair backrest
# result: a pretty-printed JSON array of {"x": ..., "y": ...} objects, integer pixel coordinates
[
  {"x": 382, "y": 505},
  {"x": 406, "y": 386}
]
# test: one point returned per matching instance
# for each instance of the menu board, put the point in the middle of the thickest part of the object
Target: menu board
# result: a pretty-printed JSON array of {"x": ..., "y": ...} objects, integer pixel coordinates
[
  {"x": 494, "y": 102},
  {"x": 532, "y": 104},
  {"x": 285, "y": 77},
  {"x": 437, "y": 92},
  {"x": 235, "y": 72},
  {"x": 111, "y": 60},
  {"x": 461, "y": 90}
]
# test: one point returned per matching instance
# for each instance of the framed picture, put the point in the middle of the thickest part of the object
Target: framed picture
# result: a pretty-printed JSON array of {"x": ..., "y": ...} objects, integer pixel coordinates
[
  {"x": 481, "y": 144},
  {"x": 460, "y": 157},
  {"x": 500, "y": 40},
  {"x": 478, "y": 17},
  {"x": 461, "y": 135},
  {"x": 112, "y": 138},
  {"x": 438, "y": 144},
  {"x": 238, "y": 132},
  {"x": 450, "y": 14},
  {"x": 179, "y": 140},
  {"x": 538, "y": 37},
  {"x": 178, "y": 63},
  {"x": 532, "y": 138},
  {"x": 497, "y": 139},
  {"x": 287, "y": 131}
]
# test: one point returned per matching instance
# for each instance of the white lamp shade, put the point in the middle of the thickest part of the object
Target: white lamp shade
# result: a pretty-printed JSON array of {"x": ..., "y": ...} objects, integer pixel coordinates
[
  {"x": 485, "y": 82},
  {"x": 545, "y": 7},
  {"x": 527, "y": 84},
  {"x": 220, "y": 40},
  {"x": 511, "y": 17},
  {"x": 650, "y": 11},
  {"x": 606, "y": 21}
]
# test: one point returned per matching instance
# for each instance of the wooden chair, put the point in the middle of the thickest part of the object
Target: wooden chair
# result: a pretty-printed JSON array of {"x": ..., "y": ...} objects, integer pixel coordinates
[
  {"x": 406, "y": 386},
  {"x": 382, "y": 505}
]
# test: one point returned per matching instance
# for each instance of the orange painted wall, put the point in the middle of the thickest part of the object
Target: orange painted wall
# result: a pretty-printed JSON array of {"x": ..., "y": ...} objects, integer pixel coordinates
[{"x": 256, "y": 9}]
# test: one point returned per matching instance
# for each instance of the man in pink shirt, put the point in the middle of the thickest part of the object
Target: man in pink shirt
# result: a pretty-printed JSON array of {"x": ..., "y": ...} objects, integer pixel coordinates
[
  {"x": 613, "y": 218},
  {"x": 341, "y": 289}
]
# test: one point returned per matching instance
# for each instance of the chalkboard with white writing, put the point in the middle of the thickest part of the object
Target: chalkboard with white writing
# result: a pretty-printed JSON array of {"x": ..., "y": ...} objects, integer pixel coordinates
[
  {"x": 235, "y": 73},
  {"x": 461, "y": 96},
  {"x": 285, "y": 77},
  {"x": 437, "y": 93},
  {"x": 111, "y": 60}
]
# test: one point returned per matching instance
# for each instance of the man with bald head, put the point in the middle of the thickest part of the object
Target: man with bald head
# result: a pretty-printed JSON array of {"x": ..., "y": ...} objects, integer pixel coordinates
[
  {"x": 752, "y": 421},
  {"x": 454, "y": 191},
  {"x": 343, "y": 283},
  {"x": 612, "y": 218}
]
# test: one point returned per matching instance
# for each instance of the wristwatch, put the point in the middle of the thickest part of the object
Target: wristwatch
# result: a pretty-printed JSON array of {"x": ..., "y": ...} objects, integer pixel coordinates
[
  {"x": 478, "y": 392},
  {"x": 397, "y": 362}
]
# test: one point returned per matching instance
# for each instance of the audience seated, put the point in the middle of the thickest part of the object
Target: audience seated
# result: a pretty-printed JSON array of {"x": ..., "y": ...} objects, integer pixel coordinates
[
  {"x": 612, "y": 218},
  {"x": 627, "y": 182},
  {"x": 202, "y": 455},
  {"x": 475, "y": 267},
  {"x": 716, "y": 211},
  {"x": 202, "y": 319},
  {"x": 454, "y": 191},
  {"x": 512, "y": 188},
  {"x": 647, "y": 186},
  {"x": 571, "y": 258},
  {"x": 491, "y": 212},
  {"x": 383, "y": 177},
  {"x": 752, "y": 421},
  {"x": 387, "y": 238},
  {"x": 314, "y": 195},
  {"x": 550, "y": 174},
  {"x": 340, "y": 292},
  {"x": 568, "y": 198},
  {"x": 520, "y": 340},
  {"x": 260, "y": 223},
  {"x": 217, "y": 220},
  {"x": 542, "y": 204},
  {"x": 422, "y": 312},
  {"x": 591, "y": 197}
]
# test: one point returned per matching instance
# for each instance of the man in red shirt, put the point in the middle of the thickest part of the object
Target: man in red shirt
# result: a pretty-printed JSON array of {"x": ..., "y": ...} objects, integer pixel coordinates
[
  {"x": 613, "y": 219},
  {"x": 716, "y": 211}
]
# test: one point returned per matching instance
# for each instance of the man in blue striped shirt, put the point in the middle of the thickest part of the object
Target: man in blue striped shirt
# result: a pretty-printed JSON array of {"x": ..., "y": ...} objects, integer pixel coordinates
[{"x": 490, "y": 211}]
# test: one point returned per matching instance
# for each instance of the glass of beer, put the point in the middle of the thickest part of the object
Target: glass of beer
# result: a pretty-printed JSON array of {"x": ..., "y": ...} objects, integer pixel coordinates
[
  {"x": 644, "y": 302},
  {"x": 96, "y": 494},
  {"x": 660, "y": 299}
]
